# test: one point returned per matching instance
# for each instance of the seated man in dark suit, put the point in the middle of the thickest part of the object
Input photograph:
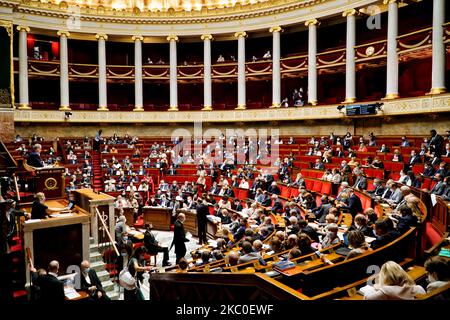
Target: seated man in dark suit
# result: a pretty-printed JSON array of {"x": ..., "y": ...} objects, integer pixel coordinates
[
  {"x": 354, "y": 204},
  {"x": 91, "y": 283},
  {"x": 153, "y": 246},
  {"x": 51, "y": 289},
  {"x": 382, "y": 233},
  {"x": 248, "y": 254},
  {"x": 34, "y": 159},
  {"x": 406, "y": 220},
  {"x": 378, "y": 188}
]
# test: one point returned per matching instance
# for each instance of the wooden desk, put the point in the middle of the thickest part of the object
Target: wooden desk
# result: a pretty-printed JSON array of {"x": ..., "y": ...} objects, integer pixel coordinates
[
  {"x": 158, "y": 216},
  {"x": 128, "y": 212},
  {"x": 64, "y": 237},
  {"x": 83, "y": 295},
  {"x": 190, "y": 224}
]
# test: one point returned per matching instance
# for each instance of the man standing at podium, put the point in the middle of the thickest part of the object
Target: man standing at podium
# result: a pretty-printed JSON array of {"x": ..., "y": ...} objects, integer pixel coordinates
[{"x": 34, "y": 159}]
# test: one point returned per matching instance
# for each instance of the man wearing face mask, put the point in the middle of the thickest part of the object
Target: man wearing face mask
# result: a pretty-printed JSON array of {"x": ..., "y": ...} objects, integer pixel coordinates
[
  {"x": 378, "y": 188},
  {"x": 125, "y": 247},
  {"x": 91, "y": 283},
  {"x": 383, "y": 234}
]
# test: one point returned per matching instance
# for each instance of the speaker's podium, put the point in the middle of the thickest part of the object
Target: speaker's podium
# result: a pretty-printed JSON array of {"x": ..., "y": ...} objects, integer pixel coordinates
[{"x": 48, "y": 179}]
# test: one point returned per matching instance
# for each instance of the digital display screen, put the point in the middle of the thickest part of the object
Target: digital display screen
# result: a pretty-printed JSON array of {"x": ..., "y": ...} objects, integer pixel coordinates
[{"x": 361, "y": 110}]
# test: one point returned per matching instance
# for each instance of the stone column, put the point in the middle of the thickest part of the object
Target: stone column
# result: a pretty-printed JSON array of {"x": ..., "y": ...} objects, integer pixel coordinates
[
  {"x": 63, "y": 70},
  {"x": 438, "y": 69},
  {"x": 392, "y": 56},
  {"x": 350, "y": 75},
  {"x": 312, "y": 60},
  {"x": 23, "y": 68},
  {"x": 173, "y": 106},
  {"x": 276, "y": 70},
  {"x": 242, "y": 100},
  {"x": 207, "y": 79},
  {"x": 138, "y": 97},
  {"x": 102, "y": 86}
]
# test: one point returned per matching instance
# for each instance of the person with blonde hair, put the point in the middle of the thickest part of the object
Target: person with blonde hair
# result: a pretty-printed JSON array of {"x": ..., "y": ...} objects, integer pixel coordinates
[
  {"x": 393, "y": 283},
  {"x": 39, "y": 210}
]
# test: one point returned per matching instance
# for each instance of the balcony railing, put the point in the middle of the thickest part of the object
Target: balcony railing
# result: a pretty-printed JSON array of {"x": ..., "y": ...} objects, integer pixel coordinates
[{"x": 373, "y": 52}]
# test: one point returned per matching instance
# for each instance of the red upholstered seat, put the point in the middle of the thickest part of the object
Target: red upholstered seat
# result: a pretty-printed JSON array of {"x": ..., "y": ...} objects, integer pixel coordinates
[
  {"x": 432, "y": 236},
  {"x": 293, "y": 192},
  {"x": 426, "y": 183},
  {"x": 309, "y": 184},
  {"x": 326, "y": 188},
  {"x": 317, "y": 186},
  {"x": 284, "y": 191},
  {"x": 418, "y": 168}
]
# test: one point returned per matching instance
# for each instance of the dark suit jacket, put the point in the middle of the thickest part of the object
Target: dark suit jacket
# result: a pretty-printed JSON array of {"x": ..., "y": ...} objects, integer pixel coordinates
[
  {"x": 405, "y": 223},
  {"x": 379, "y": 190},
  {"x": 95, "y": 281},
  {"x": 439, "y": 188},
  {"x": 150, "y": 242},
  {"x": 267, "y": 202},
  {"x": 277, "y": 206},
  {"x": 274, "y": 189},
  {"x": 382, "y": 240},
  {"x": 202, "y": 212},
  {"x": 51, "y": 289},
  {"x": 179, "y": 237},
  {"x": 354, "y": 205},
  {"x": 34, "y": 159}
]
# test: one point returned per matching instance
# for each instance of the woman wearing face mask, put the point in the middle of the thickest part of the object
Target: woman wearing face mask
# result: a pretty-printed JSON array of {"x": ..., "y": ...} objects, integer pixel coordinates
[
  {"x": 136, "y": 267},
  {"x": 331, "y": 237}
]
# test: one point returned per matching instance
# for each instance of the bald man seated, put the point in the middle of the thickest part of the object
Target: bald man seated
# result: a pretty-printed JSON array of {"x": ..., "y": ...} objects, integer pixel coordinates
[
  {"x": 91, "y": 283},
  {"x": 50, "y": 288}
]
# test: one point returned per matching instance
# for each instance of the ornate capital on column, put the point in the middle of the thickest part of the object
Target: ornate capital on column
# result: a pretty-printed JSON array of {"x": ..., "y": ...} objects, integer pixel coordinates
[
  {"x": 63, "y": 32},
  {"x": 103, "y": 36},
  {"x": 241, "y": 107},
  {"x": 350, "y": 12},
  {"x": 102, "y": 108},
  {"x": 389, "y": 1},
  {"x": 137, "y": 37},
  {"x": 138, "y": 108},
  {"x": 207, "y": 108},
  {"x": 23, "y": 28},
  {"x": 173, "y": 108},
  {"x": 64, "y": 108},
  {"x": 240, "y": 34},
  {"x": 206, "y": 37},
  {"x": 312, "y": 22},
  {"x": 275, "y": 29},
  {"x": 172, "y": 38}
]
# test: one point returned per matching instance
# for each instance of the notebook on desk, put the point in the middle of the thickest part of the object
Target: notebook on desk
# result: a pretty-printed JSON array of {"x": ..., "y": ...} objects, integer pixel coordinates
[{"x": 343, "y": 251}]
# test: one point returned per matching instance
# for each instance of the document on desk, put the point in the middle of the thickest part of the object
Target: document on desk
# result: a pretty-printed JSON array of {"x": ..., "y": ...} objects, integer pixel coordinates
[
  {"x": 33, "y": 220},
  {"x": 61, "y": 215},
  {"x": 71, "y": 293}
]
